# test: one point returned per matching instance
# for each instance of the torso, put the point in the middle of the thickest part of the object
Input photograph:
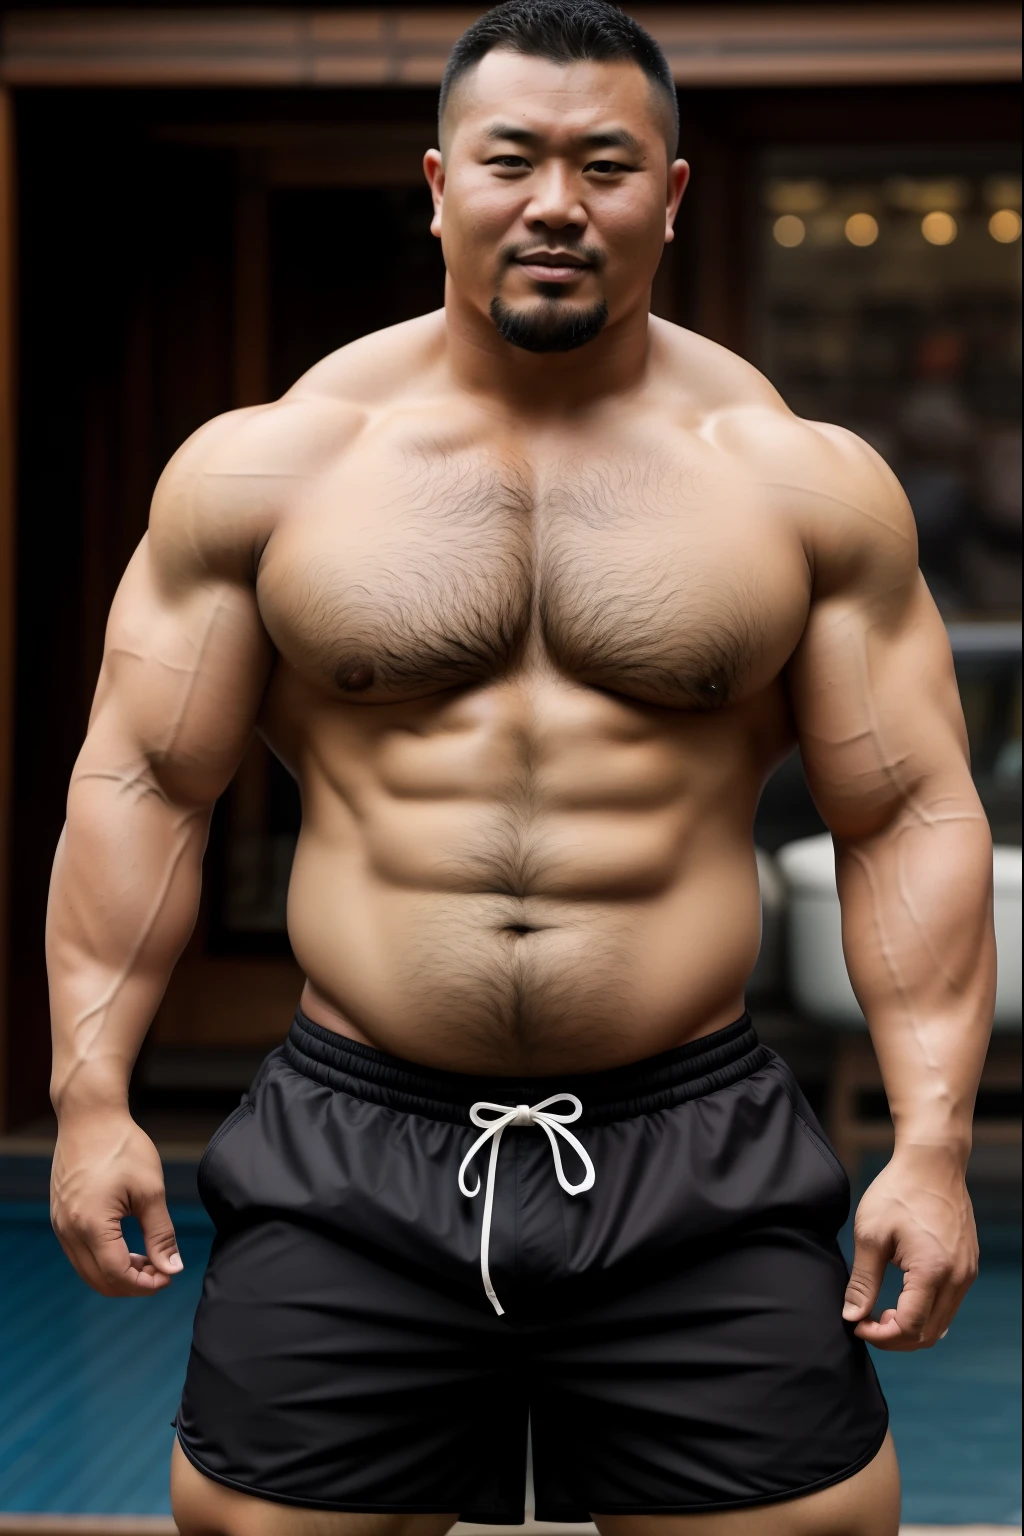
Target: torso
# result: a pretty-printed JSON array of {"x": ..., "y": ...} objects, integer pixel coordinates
[{"x": 531, "y": 686}]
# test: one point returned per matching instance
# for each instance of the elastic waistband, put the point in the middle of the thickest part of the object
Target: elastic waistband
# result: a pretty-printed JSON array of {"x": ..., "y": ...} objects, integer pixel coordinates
[{"x": 620, "y": 1093}]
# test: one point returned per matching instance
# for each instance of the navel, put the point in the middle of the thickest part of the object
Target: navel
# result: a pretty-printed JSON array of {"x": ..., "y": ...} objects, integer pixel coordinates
[{"x": 354, "y": 675}]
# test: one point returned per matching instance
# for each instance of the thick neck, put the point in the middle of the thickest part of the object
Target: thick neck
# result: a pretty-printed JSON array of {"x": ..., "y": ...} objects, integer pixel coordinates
[{"x": 545, "y": 383}]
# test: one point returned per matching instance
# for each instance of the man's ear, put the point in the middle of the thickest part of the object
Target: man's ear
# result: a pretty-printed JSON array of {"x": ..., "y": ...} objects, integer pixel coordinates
[
  {"x": 433, "y": 170},
  {"x": 678, "y": 176}
]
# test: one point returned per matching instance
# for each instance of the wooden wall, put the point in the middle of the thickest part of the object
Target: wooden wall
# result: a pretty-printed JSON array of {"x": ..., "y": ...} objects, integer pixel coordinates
[{"x": 706, "y": 45}]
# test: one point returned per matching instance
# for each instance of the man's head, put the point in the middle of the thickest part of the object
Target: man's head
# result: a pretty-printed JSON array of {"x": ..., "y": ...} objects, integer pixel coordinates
[{"x": 558, "y": 127}]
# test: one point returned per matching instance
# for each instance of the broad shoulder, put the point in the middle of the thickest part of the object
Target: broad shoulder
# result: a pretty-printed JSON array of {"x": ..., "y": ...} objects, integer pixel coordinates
[
  {"x": 222, "y": 491},
  {"x": 843, "y": 500},
  {"x": 840, "y": 496},
  {"x": 377, "y": 371},
  {"x": 221, "y": 495}
]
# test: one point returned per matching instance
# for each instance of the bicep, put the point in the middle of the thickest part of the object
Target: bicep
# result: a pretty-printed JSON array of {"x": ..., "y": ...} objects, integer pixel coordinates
[
  {"x": 876, "y": 704},
  {"x": 185, "y": 663}
]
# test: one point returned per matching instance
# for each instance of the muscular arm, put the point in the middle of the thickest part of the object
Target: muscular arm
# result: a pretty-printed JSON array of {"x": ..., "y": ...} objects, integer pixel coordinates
[
  {"x": 884, "y": 746},
  {"x": 185, "y": 663}
]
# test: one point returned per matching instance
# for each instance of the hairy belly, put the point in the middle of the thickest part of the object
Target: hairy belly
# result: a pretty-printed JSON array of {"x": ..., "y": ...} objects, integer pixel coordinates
[
  {"x": 628, "y": 947},
  {"x": 528, "y": 878}
]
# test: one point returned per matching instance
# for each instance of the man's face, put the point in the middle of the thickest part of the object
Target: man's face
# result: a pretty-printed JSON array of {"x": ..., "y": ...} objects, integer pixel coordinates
[{"x": 554, "y": 198}]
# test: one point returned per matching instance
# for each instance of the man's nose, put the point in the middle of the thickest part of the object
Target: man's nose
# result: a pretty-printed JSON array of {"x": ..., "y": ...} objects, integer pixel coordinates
[{"x": 555, "y": 201}]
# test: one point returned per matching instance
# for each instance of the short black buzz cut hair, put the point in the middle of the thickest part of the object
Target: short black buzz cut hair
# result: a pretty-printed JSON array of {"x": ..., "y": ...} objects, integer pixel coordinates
[{"x": 566, "y": 32}]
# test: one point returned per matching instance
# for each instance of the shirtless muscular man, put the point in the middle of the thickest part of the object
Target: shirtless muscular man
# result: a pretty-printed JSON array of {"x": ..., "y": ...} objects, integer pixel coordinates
[{"x": 531, "y": 595}]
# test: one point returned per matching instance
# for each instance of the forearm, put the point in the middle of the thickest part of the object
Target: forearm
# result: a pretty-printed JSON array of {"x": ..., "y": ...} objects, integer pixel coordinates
[
  {"x": 920, "y": 948},
  {"x": 124, "y": 897}
]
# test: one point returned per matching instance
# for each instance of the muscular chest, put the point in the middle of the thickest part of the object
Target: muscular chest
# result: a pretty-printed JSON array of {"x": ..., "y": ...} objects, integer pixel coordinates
[{"x": 658, "y": 576}]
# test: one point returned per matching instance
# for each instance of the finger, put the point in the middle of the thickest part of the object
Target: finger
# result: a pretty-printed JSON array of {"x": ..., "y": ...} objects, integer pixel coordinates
[
  {"x": 916, "y": 1306},
  {"x": 82, "y": 1262},
  {"x": 946, "y": 1307},
  {"x": 89, "y": 1269},
  {"x": 110, "y": 1253},
  {"x": 869, "y": 1260},
  {"x": 883, "y": 1333},
  {"x": 917, "y": 1320},
  {"x": 146, "y": 1277},
  {"x": 158, "y": 1233}
]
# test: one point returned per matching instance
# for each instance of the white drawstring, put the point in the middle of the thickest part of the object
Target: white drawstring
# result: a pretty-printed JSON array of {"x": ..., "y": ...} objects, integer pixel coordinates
[{"x": 520, "y": 1114}]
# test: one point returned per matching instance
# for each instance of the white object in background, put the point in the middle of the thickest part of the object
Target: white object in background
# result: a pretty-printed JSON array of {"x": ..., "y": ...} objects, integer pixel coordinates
[{"x": 817, "y": 970}]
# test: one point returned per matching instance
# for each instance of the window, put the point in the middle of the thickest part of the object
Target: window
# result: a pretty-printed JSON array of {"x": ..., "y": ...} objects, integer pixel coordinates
[{"x": 889, "y": 301}]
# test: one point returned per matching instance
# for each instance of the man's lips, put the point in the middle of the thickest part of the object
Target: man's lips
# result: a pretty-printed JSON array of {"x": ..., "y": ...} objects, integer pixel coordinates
[{"x": 558, "y": 267}]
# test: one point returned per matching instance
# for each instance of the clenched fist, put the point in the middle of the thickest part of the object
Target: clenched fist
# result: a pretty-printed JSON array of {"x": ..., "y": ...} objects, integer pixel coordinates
[{"x": 105, "y": 1167}]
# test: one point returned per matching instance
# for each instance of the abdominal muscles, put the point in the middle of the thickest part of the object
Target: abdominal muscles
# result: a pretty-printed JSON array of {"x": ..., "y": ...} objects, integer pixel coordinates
[{"x": 503, "y": 888}]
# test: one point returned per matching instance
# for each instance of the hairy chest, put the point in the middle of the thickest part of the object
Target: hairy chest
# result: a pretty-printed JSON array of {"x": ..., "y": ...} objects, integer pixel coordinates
[{"x": 658, "y": 576}]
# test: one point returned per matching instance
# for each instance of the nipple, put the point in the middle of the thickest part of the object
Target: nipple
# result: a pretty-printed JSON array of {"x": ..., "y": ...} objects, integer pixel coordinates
[
  {"x": 712, "y": 692},
  {"x": 354, "y": 676}
]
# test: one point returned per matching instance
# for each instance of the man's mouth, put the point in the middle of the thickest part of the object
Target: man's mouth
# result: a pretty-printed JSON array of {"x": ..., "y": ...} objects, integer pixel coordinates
[{"x": 552, "y": 266}]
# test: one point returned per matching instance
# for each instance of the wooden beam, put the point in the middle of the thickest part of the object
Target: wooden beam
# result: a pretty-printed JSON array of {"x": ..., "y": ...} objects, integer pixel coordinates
[
  {"x": 836, "y": 45},
  {"x": 706, "y": 45},
  {"x": 8, "y": 435}
]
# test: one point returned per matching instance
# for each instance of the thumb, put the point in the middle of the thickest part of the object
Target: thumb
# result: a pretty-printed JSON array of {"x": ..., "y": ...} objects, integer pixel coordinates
[
  {"x": 869, "y": 1261},
  {"x": 158, "y": 1234}
]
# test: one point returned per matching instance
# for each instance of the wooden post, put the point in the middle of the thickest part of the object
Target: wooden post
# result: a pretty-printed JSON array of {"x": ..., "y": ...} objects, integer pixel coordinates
[{"x": 8, "y": 345}]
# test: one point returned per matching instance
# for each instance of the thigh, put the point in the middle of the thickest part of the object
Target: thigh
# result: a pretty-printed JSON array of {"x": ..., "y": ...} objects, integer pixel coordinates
[
  {"x": 866, "y": 1504},
  {"x": 202, "y": 1507},
  {"x": 728, "y": 1380},
  {"x": 322, "y": 1376}
]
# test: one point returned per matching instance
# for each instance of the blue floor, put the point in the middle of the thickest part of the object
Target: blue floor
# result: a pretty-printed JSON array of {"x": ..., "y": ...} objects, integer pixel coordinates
[
  {"x": 89, "y": 1385},
  {"x": 955, "y": 1409}
]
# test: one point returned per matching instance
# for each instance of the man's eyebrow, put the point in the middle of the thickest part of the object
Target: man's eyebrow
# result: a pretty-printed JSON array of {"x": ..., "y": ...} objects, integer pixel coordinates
[
  {"x": 614, "y": 138},
  {"x": 605, "y": 138}
]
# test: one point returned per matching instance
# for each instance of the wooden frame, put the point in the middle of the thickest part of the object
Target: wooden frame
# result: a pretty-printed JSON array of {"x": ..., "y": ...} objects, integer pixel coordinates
[{"x": 705, "y": 45}]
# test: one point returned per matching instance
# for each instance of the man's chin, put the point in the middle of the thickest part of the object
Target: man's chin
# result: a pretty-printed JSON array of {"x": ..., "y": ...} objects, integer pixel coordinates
[{"x": 551, "y": 326}]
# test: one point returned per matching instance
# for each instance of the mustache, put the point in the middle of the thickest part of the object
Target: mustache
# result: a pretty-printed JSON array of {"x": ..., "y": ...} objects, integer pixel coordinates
[{"x": 591, "y": 254}]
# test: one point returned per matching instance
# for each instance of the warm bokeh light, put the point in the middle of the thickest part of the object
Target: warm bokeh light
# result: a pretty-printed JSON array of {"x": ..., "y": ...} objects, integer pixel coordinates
[
  {"x": 789, "y": 230},
  {"x": 1002, "y": 192},
  {"x": 939, "y": 228},
  {"x": 1004, "y": 226},
  {"x": 805, "y": 196},
  {"x": 862, "y": 229},
  {"x": 916, "y": 194}
]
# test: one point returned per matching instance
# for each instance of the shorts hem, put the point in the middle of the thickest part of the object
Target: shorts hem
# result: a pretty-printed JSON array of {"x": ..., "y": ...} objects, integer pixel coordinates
[
  {"x": 752, "y": 1503},
  {"x": 348, "y": 1507}
]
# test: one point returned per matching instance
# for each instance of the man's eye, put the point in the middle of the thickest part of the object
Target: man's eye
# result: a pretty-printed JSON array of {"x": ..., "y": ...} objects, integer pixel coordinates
[
  {"x": 606, "y": 167},
  {"x": 510, "y": 162}
]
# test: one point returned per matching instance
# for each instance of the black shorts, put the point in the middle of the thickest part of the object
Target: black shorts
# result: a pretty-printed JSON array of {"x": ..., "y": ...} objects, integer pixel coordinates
[{"x": 673, "y": 1332}]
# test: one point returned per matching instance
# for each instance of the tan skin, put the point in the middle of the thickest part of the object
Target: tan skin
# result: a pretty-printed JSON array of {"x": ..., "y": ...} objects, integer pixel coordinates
[{"x": 532, "y": 631}]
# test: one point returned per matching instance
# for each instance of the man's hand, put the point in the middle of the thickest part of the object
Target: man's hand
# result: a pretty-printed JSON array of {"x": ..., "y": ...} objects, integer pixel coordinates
[
  {"x": 105, "y": 1167},
  {"x": 917, "y": 1214}
]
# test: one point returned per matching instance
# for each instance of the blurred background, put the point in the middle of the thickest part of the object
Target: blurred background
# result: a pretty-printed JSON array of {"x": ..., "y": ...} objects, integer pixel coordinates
[{"x": 197, "y": 204}]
